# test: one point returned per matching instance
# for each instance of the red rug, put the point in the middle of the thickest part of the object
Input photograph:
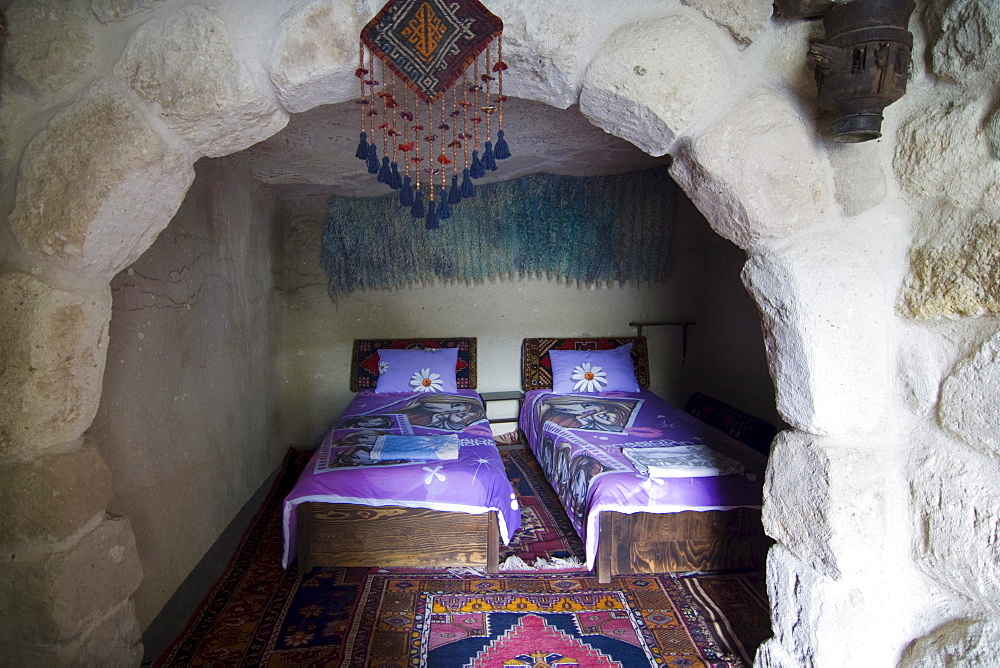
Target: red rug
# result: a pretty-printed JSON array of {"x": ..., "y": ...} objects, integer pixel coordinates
[
  {"x": 259, "y": 614},
  {"x": 546, "y": 540}
]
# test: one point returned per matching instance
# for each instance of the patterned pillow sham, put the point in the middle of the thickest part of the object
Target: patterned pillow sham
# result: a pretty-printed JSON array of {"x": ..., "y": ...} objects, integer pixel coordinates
[
  {"x": 593, "y": 370},
  {"x": 417, "y": 370}
]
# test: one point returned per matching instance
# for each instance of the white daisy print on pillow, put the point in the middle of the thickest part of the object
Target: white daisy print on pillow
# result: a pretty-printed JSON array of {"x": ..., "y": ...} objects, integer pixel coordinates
[
  {"x": 425, "y": 381},
  {"x": 589, "y": 379}
]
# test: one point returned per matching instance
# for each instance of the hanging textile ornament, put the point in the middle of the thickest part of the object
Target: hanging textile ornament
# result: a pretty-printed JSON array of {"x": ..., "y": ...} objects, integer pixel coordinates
[
  {"x": 362, "y": 152},
  {"x": 467, "y": 188},
  {"x": 418, "y": 205},
  {"x": 502, "y": 151},
  {"x": 444, "y": 208},
  {"x": 475, "y": 169},
  {"x": 384, "y": 171},
  {"x": 489, "y": 161},
  {"x": 431, "y": 222},
  {"x": 405, "y": 193},
  {"x": 428, "y": 71}
]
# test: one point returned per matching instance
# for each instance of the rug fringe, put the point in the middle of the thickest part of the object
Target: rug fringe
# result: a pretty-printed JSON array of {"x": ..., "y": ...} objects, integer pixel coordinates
[{"x": 516, "y": 563}]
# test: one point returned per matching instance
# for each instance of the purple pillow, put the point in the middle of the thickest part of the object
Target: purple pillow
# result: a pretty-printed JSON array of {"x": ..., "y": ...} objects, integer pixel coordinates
[
  {"x": 593, "y": 370},
  {"x": 417, "y": 370}
]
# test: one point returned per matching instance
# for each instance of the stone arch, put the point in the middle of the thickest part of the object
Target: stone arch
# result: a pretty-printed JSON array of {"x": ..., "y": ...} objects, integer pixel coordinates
[{"x": 137, "y": 131}]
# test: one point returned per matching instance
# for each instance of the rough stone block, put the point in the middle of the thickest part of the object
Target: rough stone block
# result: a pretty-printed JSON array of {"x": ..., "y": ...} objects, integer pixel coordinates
[
  {"x": 964, "y": 37},
  {"x": 55, "y": 596},
  {"x": 115, "y": 641},
  {"x": 53, "y": 496},
  {"x": 134, "y": 182},
  {"x": 203, "y": 89},
  {"x": 923, "y": 357},
  {"x": 744, "y": 19},
  {"x": 860, "y": 621},
  {"x": 824, "y": 501},
  {"x": 953, "y": 269},
  {"x": 823, "y": 311},
  {"x": 110, "y": 11},
  {"x": 859, "y": 175},
  {"x": 52, "y": 352},
  {"x": 991, "y": 128},
  {"x": 651, "y": 80},
  {"x": 547, "y": 47},
  {"x": 46, "y": 45},
  {"x": 956, "y": 522},
  {"x": 957, "y": 642},
  {"x": 315, "y": 55},
  {"x": 970, "y": 399},
  {"x": 943, "y": 159},
  {"x": 757, "y": 172}
]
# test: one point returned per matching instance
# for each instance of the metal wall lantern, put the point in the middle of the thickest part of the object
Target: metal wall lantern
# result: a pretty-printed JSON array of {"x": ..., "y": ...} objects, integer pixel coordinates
[{"x": 863, "y": 65}]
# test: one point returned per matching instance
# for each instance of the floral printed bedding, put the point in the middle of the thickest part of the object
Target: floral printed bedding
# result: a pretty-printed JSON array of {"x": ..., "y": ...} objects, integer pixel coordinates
[
  {"x": 578, "y": 439},
  {"x": 343, "y": 470}
]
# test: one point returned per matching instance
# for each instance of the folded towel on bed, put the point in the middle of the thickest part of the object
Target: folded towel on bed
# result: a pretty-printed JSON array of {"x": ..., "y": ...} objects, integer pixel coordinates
[
  {"x": 682, "y": 461},
  {"x": 392, "y": 446}
]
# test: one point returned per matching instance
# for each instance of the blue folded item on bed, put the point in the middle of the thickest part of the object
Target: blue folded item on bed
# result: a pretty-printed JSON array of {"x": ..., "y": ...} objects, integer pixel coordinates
[{"x": 392, "y": 446}]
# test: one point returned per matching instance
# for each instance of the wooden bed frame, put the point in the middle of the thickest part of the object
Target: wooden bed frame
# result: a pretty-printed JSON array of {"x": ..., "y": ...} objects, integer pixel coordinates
[
  {"x": 635, "y": 543},
  {"x": 340, "y": 534}
]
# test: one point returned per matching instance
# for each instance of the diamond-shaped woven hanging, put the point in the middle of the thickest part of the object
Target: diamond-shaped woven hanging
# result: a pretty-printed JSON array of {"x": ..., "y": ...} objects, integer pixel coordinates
[
  {"x": 432, "y": 135},
  {"x": 430, "y": 43}
]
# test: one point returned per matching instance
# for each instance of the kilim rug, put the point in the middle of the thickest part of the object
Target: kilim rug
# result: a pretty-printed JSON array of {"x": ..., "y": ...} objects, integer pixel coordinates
[
  {"x": 546, "y": 540},
  {"x": 259, "y": 614}
]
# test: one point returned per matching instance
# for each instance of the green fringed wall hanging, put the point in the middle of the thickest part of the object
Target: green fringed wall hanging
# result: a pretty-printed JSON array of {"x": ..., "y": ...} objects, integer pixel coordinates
[{"x": 588, "y": 230}]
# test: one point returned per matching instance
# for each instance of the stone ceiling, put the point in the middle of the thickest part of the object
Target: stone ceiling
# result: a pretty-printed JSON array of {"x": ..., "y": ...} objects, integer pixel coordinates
[{"x": 314, "y": 153}]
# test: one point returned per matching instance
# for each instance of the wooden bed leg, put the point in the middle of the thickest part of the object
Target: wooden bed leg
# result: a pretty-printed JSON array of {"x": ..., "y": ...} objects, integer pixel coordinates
[
  {"x": 603, "y": 563},
  {"x": 302, "y": 538},
  {"x": 492, "y": 543}
]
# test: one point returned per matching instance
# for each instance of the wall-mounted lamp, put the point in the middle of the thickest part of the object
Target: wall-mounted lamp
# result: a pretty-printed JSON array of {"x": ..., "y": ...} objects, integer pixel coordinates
[{"x": 863, "y": 65}]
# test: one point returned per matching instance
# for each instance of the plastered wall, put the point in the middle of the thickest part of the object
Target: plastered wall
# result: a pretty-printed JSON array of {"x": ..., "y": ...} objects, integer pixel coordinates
[
  {"x": 187, "y": 421},
  {"x": 704, "y": 287}
]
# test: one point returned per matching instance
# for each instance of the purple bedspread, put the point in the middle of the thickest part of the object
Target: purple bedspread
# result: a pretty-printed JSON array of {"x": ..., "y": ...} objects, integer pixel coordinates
[
  {"x": 341, "y": 471},
  {"x": 578, "y": 440}
]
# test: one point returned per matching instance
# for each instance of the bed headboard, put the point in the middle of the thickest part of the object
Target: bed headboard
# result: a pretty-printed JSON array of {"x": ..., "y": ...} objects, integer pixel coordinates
[
  {"x": 536, "y": 369},
  {"x": 364, "y": 359}
]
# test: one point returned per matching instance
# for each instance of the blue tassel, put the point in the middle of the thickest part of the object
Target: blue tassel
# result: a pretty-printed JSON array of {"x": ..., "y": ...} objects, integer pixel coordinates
[
  {"x": 395, "y": 180},
  {"x": 444, "y": 211},
  {"x": 467, "y": 189},
  {"x": 372, "y": 159},
  {"x": 489, "y": 162},
  {"x": 475, "y": 169},
  {"x": 418, "y": 205},
  {"x": 384, "y": 173},
  {"x": 501, "y": 151},
  {"x": 432, "y": 217},
  {"x": 455, "y": 196},
  {"x": 362, "y": 152},
  {"x": 405, "y": 194}
]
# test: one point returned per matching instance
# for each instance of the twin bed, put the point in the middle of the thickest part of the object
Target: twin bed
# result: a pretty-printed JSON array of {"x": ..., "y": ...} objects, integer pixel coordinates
[{"x": 356, "y": 506}]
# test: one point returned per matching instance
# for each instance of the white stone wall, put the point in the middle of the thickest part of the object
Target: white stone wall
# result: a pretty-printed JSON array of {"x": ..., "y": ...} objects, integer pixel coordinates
[{"x": 873, "y": 266}]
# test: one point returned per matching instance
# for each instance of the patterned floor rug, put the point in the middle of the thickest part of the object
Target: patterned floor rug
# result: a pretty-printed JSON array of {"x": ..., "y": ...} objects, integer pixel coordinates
[
  {"x": 546, "y": 540},
  {"x": 259, "y": 614}
]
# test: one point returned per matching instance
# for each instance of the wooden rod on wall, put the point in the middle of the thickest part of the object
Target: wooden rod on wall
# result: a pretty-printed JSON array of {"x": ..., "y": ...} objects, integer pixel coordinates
[{"x": 684, "y": 331}]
